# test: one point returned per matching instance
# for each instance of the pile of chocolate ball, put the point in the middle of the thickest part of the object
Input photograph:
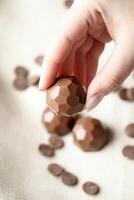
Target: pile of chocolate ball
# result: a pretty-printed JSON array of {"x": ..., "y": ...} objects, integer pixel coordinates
[{"x": 65, "y": 100}]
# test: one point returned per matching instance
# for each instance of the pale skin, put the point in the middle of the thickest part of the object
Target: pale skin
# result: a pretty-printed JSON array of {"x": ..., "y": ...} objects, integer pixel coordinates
[{"x": 83, "y": 34}]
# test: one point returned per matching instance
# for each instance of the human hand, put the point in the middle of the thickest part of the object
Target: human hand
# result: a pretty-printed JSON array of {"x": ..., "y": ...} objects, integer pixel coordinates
[{"x": 87, "y": 27}]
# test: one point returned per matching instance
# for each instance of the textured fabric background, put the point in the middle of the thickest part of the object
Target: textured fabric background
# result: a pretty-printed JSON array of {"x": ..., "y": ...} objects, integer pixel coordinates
[{"x": 26, "y": 29}]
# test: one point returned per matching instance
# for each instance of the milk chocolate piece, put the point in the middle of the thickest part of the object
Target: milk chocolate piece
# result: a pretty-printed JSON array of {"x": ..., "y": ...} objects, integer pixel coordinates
[
  {"x": 123, "y": 94},
  {"x": 68, "y": 3},
  {"x": 39, "y": 59},
  {"x": 127, "y": 94},
  {"x": 56, "y": 142},
  {"x": 69, "y": 179},
  {"x": 130, "y": 130},
  {"x": 34, "y": 80},
  {"x": 91, "y": 188},
  {"x": 89, "y": 134},
  {"x": 21, "y": 80},
  {"x": 59, "y": 125},
  {"x": 46, "y": 150},
  {"x": 55, "y": 169},
  {"x": 66, "y": 97},
  {"x": 128, "y": 151},
  {"x": 20, "y": 83},
  {"x": 21, "y": 72},
  {"x": 130, "y": 94}
]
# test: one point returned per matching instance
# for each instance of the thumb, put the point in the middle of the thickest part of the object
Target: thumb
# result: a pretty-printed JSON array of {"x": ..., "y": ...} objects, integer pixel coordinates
[{"x": 112, "y": 74}]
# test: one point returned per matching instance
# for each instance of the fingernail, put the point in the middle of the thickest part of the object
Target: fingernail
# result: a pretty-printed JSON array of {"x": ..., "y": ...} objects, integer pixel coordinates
[{"x": 93, "y": 101}]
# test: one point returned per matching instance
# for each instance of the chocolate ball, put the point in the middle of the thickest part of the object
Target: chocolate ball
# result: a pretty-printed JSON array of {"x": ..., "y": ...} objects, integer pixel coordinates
[
  {"x": 89, "y": 134},
  {"x": 67, "y": 96},
  {"x": 59, "y": 125}
]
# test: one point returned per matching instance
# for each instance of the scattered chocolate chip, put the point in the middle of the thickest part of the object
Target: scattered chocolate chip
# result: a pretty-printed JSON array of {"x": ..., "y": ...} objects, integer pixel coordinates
[
  {"x": 20, "y": 84},
  {"x": 56, "y": 142},
  {"x": 91, "y": 188},
  {"x": 39, "y": 59},
  {"x": 130, "y": 94},
  {"x": 127, "y": 94},
  {"x": 123, "y": 94},
  {"x": 68, "y": 3},
  {"x": 21, "y": 71},
  {"x": 55, "y": 169},
  {"x": 130, "y": 130},
  {"x": 128, "y": 151},
  {"x": 34, "y": 80},
  {"x": 69, "y": 179},
  {"x": 46, "y": 150}
]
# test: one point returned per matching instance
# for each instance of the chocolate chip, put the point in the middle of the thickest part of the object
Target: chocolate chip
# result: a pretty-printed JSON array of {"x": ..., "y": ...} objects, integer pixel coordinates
[
  {"x": 56, "y": 142},
  {"x": 21, "y": 71},
  {"x": 34, "y": 80},
  {"x": 55, "y": 169},
  {"x": 130, "y": 94},
  {"x": 123, "y": 94},
  {"x": 130, "y": 130},
  {"x": 127, "y": 94},
  {"x": 46, "y": 150},
  {"x": 69, "y": 179},
  {"x": 128, "y": 151},
  {"x": 20, "y": 84},
  {"x": 39, "y": 59},
  {"x": 68, "y": 3},
  {"x": 91, "y": 188}
]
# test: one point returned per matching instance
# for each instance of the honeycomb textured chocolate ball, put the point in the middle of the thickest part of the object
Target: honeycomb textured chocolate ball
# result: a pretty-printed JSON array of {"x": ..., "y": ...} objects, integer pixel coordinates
[
  {"x": 67, "y": 96},
  {"x": 89, "y": 134},
  {"x": 59, "y": 125}
]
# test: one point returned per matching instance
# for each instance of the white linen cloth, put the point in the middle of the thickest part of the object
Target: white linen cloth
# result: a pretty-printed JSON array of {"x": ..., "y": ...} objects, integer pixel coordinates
[{"x": 26, "y": 29}]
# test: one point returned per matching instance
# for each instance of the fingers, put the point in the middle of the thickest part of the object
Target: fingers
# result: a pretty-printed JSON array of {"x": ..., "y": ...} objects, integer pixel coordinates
[
  {"x": 80, "y": 65},
  {"x": 54, "y": 60},
  {"x": 72, "y": 29},
  {"x": 79, "y": 70},
  {"x": 92, "y": 61},
  {"x": 101, "y": 35},
  {"x": 67, "y": 67},
  {"x": 112, "y": 75}
]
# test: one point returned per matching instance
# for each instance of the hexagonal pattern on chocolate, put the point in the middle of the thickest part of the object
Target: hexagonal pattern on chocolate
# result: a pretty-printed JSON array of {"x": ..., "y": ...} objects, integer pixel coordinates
[
  {"x": 67, "y": 96},
  {"x": 89, "y": 134},
  {"x": 59, "y": 125}
]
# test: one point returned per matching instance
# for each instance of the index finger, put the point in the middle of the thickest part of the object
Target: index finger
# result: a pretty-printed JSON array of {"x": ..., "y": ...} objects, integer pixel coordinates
[{"x": 72, "y": 29}]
